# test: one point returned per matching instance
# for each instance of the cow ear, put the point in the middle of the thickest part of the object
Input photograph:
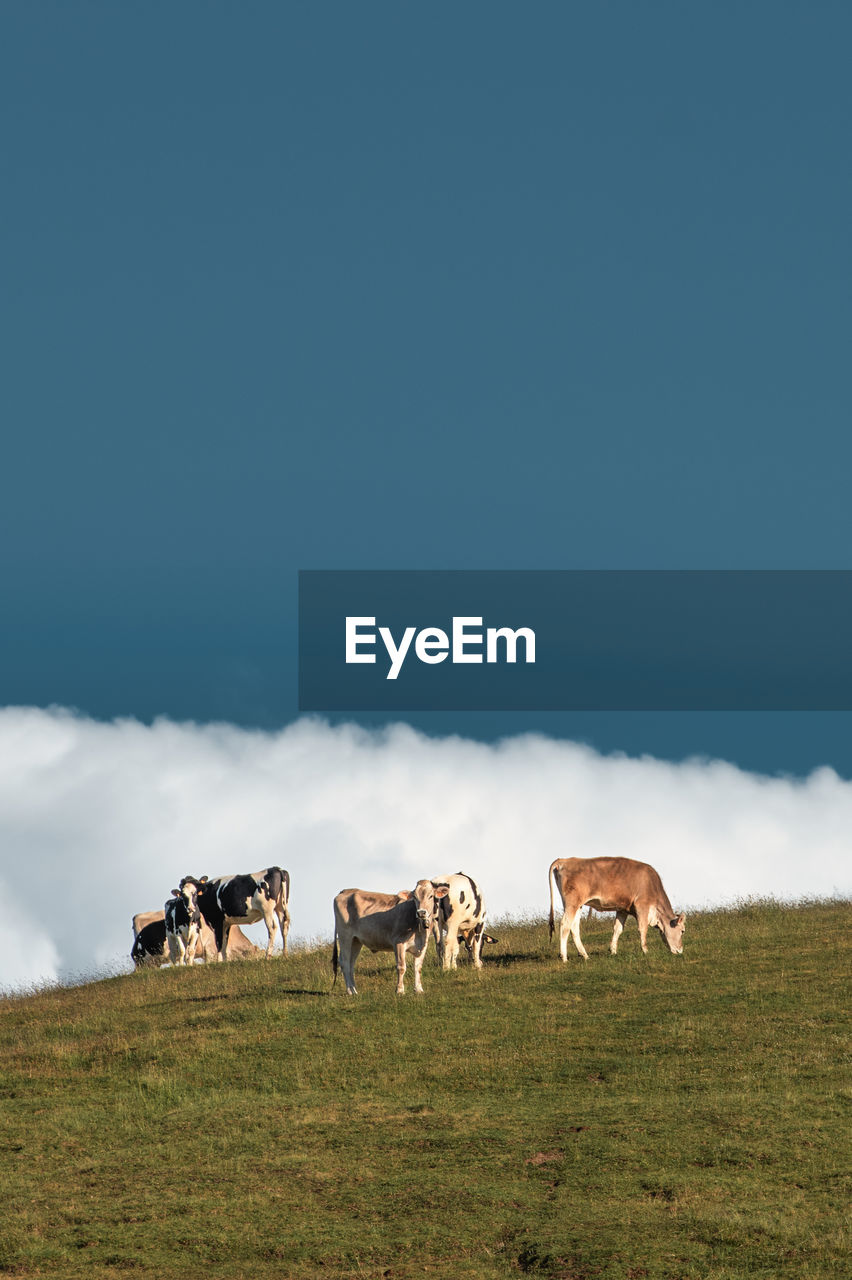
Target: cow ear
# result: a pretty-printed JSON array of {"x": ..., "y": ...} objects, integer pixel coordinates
[
  {"x": 441, "y": 891},
  {"x": 175, "y": 893},
  {"x": 404, "y": 894},
  {"x": 203, "y": 880},
  {"x": 681, "y": 918}
]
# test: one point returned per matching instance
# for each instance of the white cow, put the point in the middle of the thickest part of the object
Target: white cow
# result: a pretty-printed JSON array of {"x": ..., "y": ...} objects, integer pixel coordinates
[{"x": 461, "y": 914}]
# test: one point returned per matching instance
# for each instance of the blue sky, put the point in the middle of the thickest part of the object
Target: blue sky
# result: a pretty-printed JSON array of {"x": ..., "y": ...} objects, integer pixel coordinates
[{"x": 482, "y": 286}]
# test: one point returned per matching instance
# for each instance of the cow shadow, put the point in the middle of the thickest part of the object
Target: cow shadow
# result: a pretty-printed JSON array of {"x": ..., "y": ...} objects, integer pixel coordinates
[
  {"x": 508, "y": 958},
  {"x": 234, "y": 996}
]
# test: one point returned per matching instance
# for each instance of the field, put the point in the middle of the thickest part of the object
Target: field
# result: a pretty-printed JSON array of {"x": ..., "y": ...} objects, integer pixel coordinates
[{"x": 629, "y": 1117}]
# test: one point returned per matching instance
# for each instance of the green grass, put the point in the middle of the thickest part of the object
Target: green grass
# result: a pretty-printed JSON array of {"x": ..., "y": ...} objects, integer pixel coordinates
[{"x": 637, "y": 1116}]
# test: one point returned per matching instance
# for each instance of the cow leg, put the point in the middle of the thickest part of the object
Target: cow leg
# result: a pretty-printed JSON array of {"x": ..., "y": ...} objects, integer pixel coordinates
[
  {"x": 419, "y": 957},
  {"x": 570, "y": 924},
  {"x": 451, "y": 945},
  {"x": 564, "y": 930},
  {"x": 620, "y": 922},
  {"x": 439, "y": 941},
  {"x": 476, "y": 950},
  {"x": 223, "y": 945},
  {"x": 574, "y": 930},
  {"x": 192, "y": 943},
  {"x": 284, "y": 923},
  {"x": 349, "y": 953},
  {"x": 400, "y": 970},
  {"x": 643, "y": 922},
  {"x": 271, "y": 926}
]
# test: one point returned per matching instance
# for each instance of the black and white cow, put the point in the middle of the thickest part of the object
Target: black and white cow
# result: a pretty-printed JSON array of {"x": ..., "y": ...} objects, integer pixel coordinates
[
  {"x": 461, "y": 915},
  {"x": 183, "y": 922},
  {"x": 142, "y": 918},
  {"x": 468, "y": 937},
  {"x": 244, "y": 899},
  {"x": 149, "y": 946}
]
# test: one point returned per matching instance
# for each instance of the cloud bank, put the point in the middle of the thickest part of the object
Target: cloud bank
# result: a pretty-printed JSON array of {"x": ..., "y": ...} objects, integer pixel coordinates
[{"x": 98, "y": 821}]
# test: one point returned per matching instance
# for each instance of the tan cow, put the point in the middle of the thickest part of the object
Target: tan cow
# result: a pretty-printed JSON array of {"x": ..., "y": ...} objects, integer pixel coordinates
[
  {"x": 398, "y": 922},
  {"x": 613, "y": 884},
  {"x": 239, "y": 946}
]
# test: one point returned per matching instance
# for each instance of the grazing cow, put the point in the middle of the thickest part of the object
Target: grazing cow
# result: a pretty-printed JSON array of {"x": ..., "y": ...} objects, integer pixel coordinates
[
  {"x": 398, "y": 922},
  {"x": 149, "y": 945},
  {"x": 613, "y": 884},
  {"x": 467, "y": 937},
  {"x": 183, "y": 922},
  {"x": 145, "y": 917},
  {"x": 244, "y": 899},
  {"x": 461, "y": 914}
]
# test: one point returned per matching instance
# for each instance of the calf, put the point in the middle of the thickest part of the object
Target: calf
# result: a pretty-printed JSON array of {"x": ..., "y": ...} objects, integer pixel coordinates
[
  {"x": 461, "y": 914},
  {"x": 244, "y": 899},
  {"x": 398, "y": 922},
  {"x": 613, "y": 884}
]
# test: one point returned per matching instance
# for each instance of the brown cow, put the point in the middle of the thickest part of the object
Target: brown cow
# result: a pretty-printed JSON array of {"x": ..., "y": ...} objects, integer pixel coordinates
[
  {"x": 613, "y": 884},
  {"x": 398, "y": 922}
]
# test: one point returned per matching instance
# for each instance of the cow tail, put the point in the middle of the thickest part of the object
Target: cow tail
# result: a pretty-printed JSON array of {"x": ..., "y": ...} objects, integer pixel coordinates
[
  {"x": 283, "y": 903},
  {"x": 334, "y": 958},
  {"x": 550, "y": 886}
]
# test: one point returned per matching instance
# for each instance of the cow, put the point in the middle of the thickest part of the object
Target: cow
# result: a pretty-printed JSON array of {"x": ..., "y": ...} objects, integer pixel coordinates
[
  {"x": 461, "y": 913},
  {"x": 243, "y": 899},
  {"x": 613, "y": 884},
  {"x": 467, "y": 937},
  {"x": 398, "y": 922},
  {"x": 142, "y": 918},
  {"x": 149, "y": 946},
  {"x": 183, "y": 923}
]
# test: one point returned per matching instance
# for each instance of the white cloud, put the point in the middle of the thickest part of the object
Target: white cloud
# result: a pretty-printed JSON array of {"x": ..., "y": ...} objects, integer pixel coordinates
[{"x": 98, "y": 821}]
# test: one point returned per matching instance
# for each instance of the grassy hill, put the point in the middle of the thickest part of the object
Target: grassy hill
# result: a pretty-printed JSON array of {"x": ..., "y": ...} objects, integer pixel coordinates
[{"x": 630, "y": 1117}]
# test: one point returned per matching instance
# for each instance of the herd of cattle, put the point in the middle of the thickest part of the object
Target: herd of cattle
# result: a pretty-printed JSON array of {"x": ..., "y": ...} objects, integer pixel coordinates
[{"x": 202, "y": 917}]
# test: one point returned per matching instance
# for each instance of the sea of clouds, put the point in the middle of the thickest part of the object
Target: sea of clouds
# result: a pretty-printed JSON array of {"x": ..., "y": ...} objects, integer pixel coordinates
[{"x": 100, "y": 820}]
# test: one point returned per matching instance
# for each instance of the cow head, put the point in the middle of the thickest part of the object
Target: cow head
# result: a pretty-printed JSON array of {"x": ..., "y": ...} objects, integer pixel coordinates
[
  {"x": 426, "y": 897},
  {"x": 672, "y": 927},
  {"x": 188, "y": 890}
]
